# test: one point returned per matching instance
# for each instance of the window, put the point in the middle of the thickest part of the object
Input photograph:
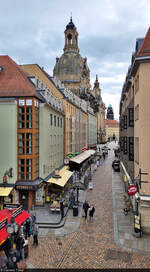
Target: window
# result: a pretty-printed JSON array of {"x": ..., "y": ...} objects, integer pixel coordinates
[
  {"x": 29, "y": 169},
  {"x": 125, "y": 121},
  {"x": 121, "y": 143},
  {"x": 58, "y": 121},
  {"x": 36, "y": 118},
  {"x": 21, "y": 117},
  {"x": 51, "y": 119},
  {"x": 125, "y": 145},
  {"x": 36, "y": 141},
  {"x": 136, "y": 150},
  {"x": 21, "y": 144},
  {"x": 25, "y": 169},
  {"x": 121, "y": 123},
  {"x": 28, "y": 143},
  {"x": 21, "y": 169},
  {"x": 61, "y": 122},
  {"x": 137, "y": 112},
  {"x": 131, "y": 148},
  {"x": 55, "y": 120},
  {"x": 28, "y": 117},
  {"x": 131, "y": 117}
]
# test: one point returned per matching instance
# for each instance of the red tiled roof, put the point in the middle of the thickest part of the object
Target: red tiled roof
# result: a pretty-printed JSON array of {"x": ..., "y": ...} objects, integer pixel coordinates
[
  {"x": 14, "y": 81},
  {"x": 112, "y": 122},
  {"x": 145, "y": 46}
]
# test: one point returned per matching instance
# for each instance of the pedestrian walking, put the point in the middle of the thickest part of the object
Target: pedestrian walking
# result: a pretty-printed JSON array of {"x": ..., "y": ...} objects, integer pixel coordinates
[
  {"x": 91, "y": 212},
  {"x": 85, "y": 208},
  {"x": 20, "y": 243},
  {"x": 35, "y": 234}
]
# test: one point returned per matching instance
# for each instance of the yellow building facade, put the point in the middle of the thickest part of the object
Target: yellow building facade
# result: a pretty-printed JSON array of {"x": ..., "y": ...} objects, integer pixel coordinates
[
  {"x": 75, "y": 134},
  {"x": 112, "y": 130}
]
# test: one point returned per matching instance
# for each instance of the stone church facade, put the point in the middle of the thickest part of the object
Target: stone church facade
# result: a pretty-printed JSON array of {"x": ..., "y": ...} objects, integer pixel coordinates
[{"x": 73, "y": 71}]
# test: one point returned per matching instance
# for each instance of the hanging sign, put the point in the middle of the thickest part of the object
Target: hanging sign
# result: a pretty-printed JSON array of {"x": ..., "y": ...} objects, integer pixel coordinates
[{"x": 132, "y": 190}]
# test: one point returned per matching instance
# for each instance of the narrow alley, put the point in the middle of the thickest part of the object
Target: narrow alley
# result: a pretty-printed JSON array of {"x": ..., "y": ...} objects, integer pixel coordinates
[{"x": 92, "y": 244}]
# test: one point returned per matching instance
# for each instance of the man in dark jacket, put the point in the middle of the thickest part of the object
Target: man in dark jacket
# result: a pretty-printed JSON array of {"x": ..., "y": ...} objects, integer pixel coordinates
[
  {"x": 85, "y": 208},
  {"x": 12, "y": 262},
  {"x": 91, "y": 212},
  {"x": 20, "y": 243}
]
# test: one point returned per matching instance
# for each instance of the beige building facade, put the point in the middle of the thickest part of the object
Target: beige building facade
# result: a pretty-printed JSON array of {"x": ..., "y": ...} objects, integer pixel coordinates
[
  {"x": 112, "y": 130},
  {"x": 134, "y": 109},
  {"x": 100, "y": 112}
]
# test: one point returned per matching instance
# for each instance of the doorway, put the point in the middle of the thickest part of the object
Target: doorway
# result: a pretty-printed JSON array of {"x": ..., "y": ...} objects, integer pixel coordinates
[{"x": 23, "y": 199}]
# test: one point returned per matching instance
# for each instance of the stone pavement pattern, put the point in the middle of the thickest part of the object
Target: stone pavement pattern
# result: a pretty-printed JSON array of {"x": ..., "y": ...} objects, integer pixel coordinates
[{"x": 92, "y": 245}]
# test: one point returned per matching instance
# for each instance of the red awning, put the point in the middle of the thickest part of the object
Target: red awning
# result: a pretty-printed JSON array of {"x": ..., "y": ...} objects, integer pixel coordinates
[
  {"x": 3, "y": 235},
  {"x": 7, "y": 213},
  {"x": 19, "y": 219}
]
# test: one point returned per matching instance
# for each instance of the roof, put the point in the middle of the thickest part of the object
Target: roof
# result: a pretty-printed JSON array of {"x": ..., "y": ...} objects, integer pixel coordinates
[
  {"x": 29, "y": 183},
  {"x": 14, "y": 82},
  {"x": 83, "y": 156},
  {"x": 145, "y": 46},
  {"x": 70, "y": 25},
  {"x": 112, "y": 122},
  {"x": 65, "y": 174},
  {"x": 36, "y": 70}
]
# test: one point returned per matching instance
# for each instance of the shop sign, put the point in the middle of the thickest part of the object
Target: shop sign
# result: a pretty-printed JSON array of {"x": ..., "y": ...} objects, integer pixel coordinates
[
  {"x": 132, "y": 190},
  {"x": 11, "y": 206}
]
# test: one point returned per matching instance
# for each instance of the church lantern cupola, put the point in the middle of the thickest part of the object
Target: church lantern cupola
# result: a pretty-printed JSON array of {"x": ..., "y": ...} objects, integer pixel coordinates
[{"x": 71, "y": 38}]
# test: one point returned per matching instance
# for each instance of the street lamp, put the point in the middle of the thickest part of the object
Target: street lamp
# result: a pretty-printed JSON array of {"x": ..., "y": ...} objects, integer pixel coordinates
[{"x": 12, "y": 229}]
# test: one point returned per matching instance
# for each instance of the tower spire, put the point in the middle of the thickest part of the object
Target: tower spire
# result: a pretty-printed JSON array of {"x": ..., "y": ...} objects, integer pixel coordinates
[{"x": 96, "y": 83}]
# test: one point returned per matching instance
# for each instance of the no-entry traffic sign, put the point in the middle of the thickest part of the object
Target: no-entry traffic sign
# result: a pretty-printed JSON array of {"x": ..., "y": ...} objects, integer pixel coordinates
[{"x": 132, "y": 190}]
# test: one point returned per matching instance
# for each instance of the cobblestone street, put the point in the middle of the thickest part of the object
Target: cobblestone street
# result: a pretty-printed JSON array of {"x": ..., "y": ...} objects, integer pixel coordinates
[{"x": 92, "y": 245}]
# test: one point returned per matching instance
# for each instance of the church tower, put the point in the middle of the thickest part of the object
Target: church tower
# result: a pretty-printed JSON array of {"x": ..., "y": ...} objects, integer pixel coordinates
[
  {"x": 110, "y": 113},
  {"x": 96, "y": 90},
  {"x": 71, "y": 38},
  {"x": 71, "y": 68}
]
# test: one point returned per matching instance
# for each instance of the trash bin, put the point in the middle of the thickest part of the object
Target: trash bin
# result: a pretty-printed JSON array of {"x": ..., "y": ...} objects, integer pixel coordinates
[{"x": 75, "y": 210}]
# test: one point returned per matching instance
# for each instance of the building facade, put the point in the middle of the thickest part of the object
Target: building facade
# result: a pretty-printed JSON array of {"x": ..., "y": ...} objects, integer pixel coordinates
[
  {"x": 74, "y": 73},
  {"x": 134, "y": 140},
  {"x": 99, "y": 110},
  {"x": 112, "y": 130},
  {"x": 28, "y": 147},
  {"x": 75, "y": 110}
]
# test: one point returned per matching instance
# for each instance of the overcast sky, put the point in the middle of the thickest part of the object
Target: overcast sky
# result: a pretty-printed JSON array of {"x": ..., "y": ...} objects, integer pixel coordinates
[{"x": 32, "y": 31}]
